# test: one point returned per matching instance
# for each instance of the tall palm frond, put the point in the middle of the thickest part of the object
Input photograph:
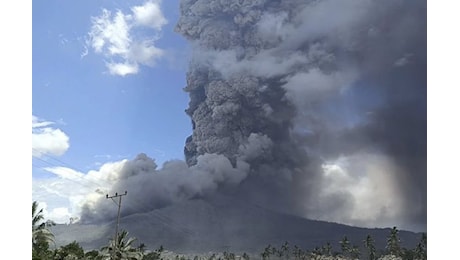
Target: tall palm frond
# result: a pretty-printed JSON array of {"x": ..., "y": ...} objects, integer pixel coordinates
[
  {"x": 37, "y": 217},
  {"x": 122, "y": 249},
  {"x": 42, "y": 235},
  {"x": 40, "y": 231}
]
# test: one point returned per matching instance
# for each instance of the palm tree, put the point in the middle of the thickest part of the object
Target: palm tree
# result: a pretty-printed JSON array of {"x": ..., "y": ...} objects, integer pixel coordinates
[
  {"x": 327, "y": 249},
  {"x": 122, "y": 248},
  {"x": 393, "y": 242},
  {"x": 420, "y": 250},
  {"x": 40, "y": 231},
  {"x": 269, "y": 250},
  {"x": 345, "y": 246},
  {"x": 369, "y": 244},
  {"x": 284, "y": 251}
]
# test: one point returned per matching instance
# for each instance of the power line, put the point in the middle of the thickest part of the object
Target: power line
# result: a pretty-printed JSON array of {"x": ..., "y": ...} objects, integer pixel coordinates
[
  {"x": 74, "y": 181},
  {"x": 57, "y": 160}
]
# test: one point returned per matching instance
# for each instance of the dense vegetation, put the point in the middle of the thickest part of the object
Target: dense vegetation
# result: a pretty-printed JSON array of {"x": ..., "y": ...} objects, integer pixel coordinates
[{"x": 125, "y": 247}]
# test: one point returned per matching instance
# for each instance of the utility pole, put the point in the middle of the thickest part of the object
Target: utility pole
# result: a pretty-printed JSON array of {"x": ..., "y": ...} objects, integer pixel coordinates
[{"x": 118, "y": 216}]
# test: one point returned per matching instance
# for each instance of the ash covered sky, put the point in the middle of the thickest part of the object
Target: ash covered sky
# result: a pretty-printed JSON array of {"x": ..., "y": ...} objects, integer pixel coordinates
[{"x": 313, "y": 108}]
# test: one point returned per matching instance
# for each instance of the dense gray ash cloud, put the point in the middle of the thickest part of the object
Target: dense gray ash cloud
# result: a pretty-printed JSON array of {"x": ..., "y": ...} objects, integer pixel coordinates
[
  {"x": 151, "y": 188},
  {"x": 319, "y": 80},
  {"x": 319, "y": 106}
]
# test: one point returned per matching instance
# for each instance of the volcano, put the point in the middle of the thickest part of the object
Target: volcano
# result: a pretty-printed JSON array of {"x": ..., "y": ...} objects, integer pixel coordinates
[{"x": 219, "y": 224}]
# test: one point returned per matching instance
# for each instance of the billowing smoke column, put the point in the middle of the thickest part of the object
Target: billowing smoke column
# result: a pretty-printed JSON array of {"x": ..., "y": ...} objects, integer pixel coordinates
[
  {"x": 317, "y": 107},
  {"x": 313, "y": 84}
]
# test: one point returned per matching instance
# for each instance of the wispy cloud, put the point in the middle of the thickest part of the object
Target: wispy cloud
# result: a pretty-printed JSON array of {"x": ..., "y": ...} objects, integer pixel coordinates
[
  {"x": 60, "y": 202},
  {"x": 46, "y": 139},
  {"x": 117, "y": 38},
  {"x": 84, "y": 52}
]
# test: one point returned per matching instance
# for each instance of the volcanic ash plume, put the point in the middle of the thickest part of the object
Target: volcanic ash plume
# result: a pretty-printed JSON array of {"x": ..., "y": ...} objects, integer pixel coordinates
[
  {"x": 292, "y": 87},
  {"x": 317, "y": 107},
  {"x": 150, "y": 188}
]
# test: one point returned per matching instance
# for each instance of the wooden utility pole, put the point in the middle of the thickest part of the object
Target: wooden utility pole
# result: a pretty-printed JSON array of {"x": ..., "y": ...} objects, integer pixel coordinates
[{"x": 118, "y": 216}]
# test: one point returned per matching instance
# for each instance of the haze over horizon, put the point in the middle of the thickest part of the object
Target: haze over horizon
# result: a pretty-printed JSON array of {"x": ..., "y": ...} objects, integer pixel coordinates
[{"x": 311, "y": 108}]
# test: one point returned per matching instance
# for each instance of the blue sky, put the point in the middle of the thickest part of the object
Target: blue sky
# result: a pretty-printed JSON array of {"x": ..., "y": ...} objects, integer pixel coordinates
[
  {"x": 107, "y": 84},
  {"x": 107, "y": 116}
]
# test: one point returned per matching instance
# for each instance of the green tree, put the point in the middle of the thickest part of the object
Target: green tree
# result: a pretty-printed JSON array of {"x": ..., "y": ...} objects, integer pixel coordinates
[
  {"x": 393, "y": 242},
  {"x": 355, "y": 253},
  {"x": 268, "y": 251},
  {"x": 327, "y": 249},
  {"x": 122, "y": 248},
  {"x": 284, "y": 251},
  {"x": 155, "y": 255},
  {"x": 317, "y": 252},
  {"x": 298, "y": 253},
  {"x": 229, "y": 256},
  {"x": 70, "y": 251},
  {"x": 41, "y": 251},
  {"x": 345, "y": 246},
  {"x": 40, "y": 227},
  {"x": 370, "y": 245},
  {"x": 92, "y": 255},
  {"x": 41, "y": 235},
  {"x": 420, "y": 250}
]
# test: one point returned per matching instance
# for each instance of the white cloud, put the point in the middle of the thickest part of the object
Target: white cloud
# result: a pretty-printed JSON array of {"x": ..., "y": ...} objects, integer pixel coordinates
[
  {"x": 65, "y": 173},
  {"x": 114, "y": 37},
  {"x": 63, "y": 195},
  {"x": 149, "y": 15},
  {"x": 46, "y": 139},
  {"x": 122, "y": 69},
  {"x": 145, "y": 53},
  {"x": 60, "y": 215},
  {"x": 112, "y": 34}
]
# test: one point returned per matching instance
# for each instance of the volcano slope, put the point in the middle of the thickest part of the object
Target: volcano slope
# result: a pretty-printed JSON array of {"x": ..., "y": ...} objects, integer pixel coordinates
[{"x": 221, "y": 224}]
